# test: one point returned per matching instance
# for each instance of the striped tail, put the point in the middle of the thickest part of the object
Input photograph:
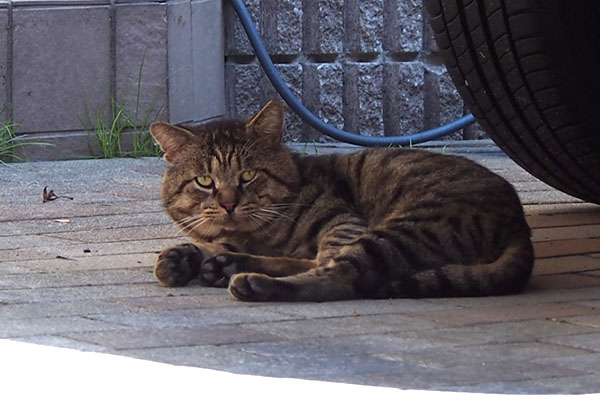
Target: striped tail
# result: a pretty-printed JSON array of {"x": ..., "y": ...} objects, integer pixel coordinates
[{"x": 507, "y": 275}]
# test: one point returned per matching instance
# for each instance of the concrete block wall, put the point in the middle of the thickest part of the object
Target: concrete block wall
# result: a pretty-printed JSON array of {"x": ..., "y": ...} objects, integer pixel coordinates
[
  {"x": 368, "y": 66},
  {"x": 64, "y": 60}
]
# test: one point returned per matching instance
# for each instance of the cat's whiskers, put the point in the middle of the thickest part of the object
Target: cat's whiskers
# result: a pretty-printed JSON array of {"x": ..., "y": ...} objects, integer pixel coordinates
[{"x": 277, "y": 214}]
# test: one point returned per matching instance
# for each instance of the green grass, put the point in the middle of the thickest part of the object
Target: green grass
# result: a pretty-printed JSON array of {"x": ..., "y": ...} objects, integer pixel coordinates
[
  {"x": 10, "y": 142},
  {"x": 109, "y": 131}
]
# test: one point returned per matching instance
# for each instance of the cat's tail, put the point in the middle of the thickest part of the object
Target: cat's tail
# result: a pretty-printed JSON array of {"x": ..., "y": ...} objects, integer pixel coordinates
[{"x": 506, "y": 275}]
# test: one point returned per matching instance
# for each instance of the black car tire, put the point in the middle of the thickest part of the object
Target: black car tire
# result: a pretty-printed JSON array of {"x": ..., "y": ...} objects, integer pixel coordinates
[{"x": 529, "y": 71}]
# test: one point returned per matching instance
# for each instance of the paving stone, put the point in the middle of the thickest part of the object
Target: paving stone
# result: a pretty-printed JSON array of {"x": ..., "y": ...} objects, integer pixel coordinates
[
  {"x": 589, "y": 341},
  {"x": 505, "y": 332},
  {"x": 80, "y": 278},
  {"x": 468, "y": 374},
  {"x": 85, "y": 263},
  {"x": 341, "y": 326},
  {"x": 172, "y": 303},
  {"x": 49, "y": 326},
  {"x": 582, "y": 384},
  {"x": 222, "y": 358},
  {"x": 585, "y": 320},
  {"x": 173, "y": 337},
  {"x": 484, "y": 315},
  {"x": 449, "y": 357},
  {"x": 58, "y": 341},
  {"x": 50, "y": 309},
  {"x": 357, "y": 308},
  {"x": 95, "y": 249},
  {"x": 81, "y": 224},
  {"x": 585, "y": 362},
  {"x": 193, "y": 318},
  {"x": 77, "y": 293},
  {"x": 162, "y": 231}
]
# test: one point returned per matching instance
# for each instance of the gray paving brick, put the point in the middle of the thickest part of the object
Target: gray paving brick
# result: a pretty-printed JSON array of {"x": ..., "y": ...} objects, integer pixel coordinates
[
  {"x": 95, "y": 249},
  {"x": 341, "y": 326},
  {"x": 50, "y": 309},
  {"x": 58, "y": 341},
  {"x": 85, "y": 263},
  {"x": 80, "y": 278},
  {"x": 507, "y": 332},
  {"x": 468, "y": 374},
  {"x": 588, "y": 341},
  {"x": 193, "y": 318},
  {"x": 582, "y": 384},
  {"x": 173, "y": 337},
  {"x": 222, "y": 358},
  {"x": 587, "y": 362},
  {"x": 49, "y": 326}
]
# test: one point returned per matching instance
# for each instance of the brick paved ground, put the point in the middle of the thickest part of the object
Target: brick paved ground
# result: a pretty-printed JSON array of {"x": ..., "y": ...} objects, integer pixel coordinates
[{"x": 78, "y": 274}]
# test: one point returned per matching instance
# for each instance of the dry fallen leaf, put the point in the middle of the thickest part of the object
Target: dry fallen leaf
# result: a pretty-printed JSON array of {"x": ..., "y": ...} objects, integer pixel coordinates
[{"x": 49, "y": 195}]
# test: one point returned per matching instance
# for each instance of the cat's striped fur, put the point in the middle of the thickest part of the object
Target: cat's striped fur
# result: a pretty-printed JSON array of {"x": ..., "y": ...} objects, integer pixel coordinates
[{"x": 374, "y": 224}]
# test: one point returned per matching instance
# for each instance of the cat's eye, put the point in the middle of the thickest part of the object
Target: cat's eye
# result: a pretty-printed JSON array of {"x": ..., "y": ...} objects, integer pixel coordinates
[
  {"x": 205, "y": 181},
  {"x": 247, "y": 176}
]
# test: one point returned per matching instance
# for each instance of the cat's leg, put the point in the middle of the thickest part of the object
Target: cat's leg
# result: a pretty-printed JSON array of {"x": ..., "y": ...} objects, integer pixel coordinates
[
  {"x": 178, "y": 265},
  {"x": 226, "y": 265},
  {"x": 340, "y": 271}
]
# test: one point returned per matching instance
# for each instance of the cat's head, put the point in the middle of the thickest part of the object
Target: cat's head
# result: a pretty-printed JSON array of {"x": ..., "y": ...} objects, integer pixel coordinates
[{"x": 231, "y": 175}]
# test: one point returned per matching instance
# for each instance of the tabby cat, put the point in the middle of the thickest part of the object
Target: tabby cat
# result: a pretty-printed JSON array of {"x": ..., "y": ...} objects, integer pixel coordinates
[{"x": 273, "y": 225}]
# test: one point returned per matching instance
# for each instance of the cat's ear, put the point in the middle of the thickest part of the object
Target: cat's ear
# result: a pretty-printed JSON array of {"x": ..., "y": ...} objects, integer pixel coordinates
[
  {"x": 268, "y": 121},
  {"x": 171, "y": 138}
]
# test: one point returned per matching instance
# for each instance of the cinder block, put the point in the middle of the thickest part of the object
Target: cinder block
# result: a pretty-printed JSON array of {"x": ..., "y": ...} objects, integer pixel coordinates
[
  {"x": 363, "y": 98},
  {"x": 323, "y": 30},
  {"x": 281, "y": 26},
  {"x": 451, "y": 104},
  {"x": 3, "y": 59},
  {"x": 236, "y": 40},
  {"x": 292, "y": 75},
  {"x": 196, "y": 61},
  {"x": 403, "y": 92},
  {"x": 429, "y": 43},
  {"x": 363, "y": 26},
  {"x": 403, "y": 26},
  {"x": 243, "y": 92},
  {"x": 141, "y": 60},
  {"x": 45, "y": 97},
  {"x": 443, "y": 104},
  {"x": 322, "y": 94}
]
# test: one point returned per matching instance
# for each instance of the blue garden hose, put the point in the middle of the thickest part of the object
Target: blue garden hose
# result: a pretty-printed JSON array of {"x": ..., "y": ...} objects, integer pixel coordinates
[{"x": 308, "y": 117}]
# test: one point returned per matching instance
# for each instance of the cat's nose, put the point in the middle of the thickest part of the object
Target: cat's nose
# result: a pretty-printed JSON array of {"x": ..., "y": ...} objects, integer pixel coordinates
[{"x": 229, "y": 206}]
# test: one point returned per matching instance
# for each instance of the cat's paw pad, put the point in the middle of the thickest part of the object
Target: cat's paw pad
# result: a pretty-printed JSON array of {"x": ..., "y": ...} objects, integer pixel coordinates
[
  {"x": 216, "y": 271},
  {"x": 252, "y": 287},
  {"x": 177, "y": 265}
]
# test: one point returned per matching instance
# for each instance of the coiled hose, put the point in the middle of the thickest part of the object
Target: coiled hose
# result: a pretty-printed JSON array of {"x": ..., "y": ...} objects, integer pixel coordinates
[{"x": 308, "y": 117}]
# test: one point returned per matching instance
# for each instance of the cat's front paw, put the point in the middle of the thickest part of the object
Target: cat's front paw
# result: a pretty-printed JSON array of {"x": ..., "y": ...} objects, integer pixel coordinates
[
  {"x": 178, "y": 265},
  {"x": 218, "y": 270},
  {"x": 253, "y": 287}
]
